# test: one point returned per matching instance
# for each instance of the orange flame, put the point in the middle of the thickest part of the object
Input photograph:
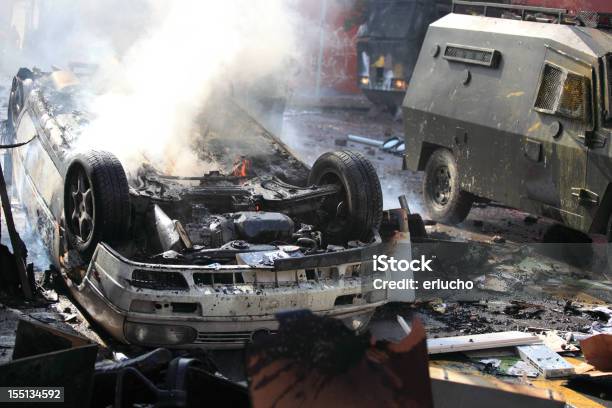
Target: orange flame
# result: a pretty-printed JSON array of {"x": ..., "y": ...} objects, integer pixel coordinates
[{"x": 241, "y": 168}]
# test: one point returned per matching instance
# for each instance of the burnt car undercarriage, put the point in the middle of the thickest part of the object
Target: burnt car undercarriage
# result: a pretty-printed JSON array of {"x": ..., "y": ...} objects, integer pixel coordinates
[
  {"x": 226, "y": 215},
  {"x": 205, "y": 260}
]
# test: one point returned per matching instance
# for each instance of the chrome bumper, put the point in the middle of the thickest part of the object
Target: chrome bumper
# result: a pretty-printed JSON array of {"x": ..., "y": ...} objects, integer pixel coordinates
[{"x": 217, "y": 315}]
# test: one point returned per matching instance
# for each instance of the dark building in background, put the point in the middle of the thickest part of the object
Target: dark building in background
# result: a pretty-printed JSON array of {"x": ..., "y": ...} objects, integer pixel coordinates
[{"x": 389, "y": 43}]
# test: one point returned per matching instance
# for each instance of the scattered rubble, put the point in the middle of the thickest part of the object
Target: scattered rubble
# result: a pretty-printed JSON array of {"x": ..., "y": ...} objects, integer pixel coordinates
[
  {"x": 497, "y": 239},
  {"x": 563, "y": 306},
  {"x": 281, "y": 375},
  {"x": 338, "y": 368},
  {"x": 45, "y": 356}
]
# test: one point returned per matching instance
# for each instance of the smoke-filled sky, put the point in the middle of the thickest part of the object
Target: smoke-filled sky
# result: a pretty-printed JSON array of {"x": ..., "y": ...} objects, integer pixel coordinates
[{"x": 159, "y": 61}]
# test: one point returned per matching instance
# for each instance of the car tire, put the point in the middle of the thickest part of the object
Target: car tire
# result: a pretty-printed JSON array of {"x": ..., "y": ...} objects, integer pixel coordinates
[
  {"x": 17, "y": 99},
  {"x": 444, "y": 199},
  {"x": 357, "y": 209},
  {"x": 96, "y": 201},
  {"x": 15, "y": 105}
]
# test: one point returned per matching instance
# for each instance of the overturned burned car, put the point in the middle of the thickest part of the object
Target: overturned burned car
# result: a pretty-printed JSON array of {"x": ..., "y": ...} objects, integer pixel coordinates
[{"x": 201, "y": 261}]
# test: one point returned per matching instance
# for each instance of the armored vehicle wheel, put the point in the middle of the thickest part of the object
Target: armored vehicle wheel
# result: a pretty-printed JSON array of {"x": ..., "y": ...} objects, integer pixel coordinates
[
  {"x": 96, "y": 201},
  {"x": 357, "y": 209},
  {"x": 443, "y": 197}
]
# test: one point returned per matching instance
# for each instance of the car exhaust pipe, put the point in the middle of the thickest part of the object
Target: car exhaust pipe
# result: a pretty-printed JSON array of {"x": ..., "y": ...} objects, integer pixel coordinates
[{"x": 170, "y": 233}]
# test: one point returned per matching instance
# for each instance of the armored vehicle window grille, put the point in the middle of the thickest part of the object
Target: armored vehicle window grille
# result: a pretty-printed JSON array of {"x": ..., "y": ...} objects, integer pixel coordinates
[
  {"x": 476, "y": 55},
  {"x": 575, "y": 97},
  {"x": 588, "y": 18},
  {"x": 564, "y": 93},
  {"x": 594, "y": 19},
  {"x": 471, "y": 55},
  {"x": 550, "y": 88}
]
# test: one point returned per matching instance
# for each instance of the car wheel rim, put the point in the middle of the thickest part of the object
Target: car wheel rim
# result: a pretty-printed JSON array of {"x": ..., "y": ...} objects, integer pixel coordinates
[
  {"x": 442, "y": 186},
  {"x": 82, "y": 208}
]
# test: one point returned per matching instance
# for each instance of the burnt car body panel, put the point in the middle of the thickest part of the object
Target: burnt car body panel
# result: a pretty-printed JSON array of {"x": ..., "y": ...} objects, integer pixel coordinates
[
  {"x": 40, "y": 188},
  {"x": 218, "y": 290},
  {"x": 480, "y": 90}
]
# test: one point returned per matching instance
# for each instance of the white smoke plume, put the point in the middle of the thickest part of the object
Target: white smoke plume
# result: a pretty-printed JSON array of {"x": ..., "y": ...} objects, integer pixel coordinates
[
  {"x": 159, "y": 62},
  {"x": 192, "y": 47}
]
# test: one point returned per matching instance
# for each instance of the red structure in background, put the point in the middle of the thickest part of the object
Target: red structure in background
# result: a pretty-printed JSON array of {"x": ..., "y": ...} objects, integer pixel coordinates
[
  {"x": 331, "y": 55},
  {"x": 603, "y": 6}
]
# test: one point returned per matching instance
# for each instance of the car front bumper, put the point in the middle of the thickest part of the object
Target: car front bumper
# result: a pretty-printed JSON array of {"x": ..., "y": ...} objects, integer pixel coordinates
[{"x": 222, "y": 316}]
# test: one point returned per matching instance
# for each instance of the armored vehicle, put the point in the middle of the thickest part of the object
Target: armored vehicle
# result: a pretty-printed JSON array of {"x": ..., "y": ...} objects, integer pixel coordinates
[{"x": 513, "y": 105}]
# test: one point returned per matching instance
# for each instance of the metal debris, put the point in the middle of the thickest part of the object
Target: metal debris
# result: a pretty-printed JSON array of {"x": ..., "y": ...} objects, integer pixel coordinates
[
  {"x": 394, "y": 145},
  {"x": 549, "y": 363}
]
